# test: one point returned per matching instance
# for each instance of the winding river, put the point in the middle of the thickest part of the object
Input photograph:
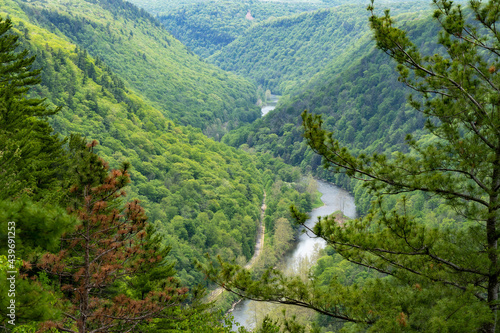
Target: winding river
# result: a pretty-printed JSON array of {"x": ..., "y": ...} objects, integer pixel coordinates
[{"x": 334, "y": 199}]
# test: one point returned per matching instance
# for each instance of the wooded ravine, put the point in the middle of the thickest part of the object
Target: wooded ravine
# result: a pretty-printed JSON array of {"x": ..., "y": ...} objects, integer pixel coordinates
[{"x": 137, "y": 172}]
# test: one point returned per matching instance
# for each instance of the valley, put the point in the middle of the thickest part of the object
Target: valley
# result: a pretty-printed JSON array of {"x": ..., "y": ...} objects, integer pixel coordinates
[{"x": 155, "y": 153}]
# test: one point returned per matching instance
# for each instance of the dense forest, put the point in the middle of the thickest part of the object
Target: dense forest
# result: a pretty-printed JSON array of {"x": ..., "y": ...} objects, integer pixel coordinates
[
  {"x": 201, "y": 196},
  {"x": 206, "y": 27},
  {"x": 282, "y": 54},
  {"x": 151, "y": 61},
  {"x": 359, "y": 123},
  {"x": 137, "y": 174},
  {"x": 361, "y": 101}
]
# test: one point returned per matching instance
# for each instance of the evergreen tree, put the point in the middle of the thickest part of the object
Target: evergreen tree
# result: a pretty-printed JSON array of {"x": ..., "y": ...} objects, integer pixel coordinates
[
  {"x": 37, "y": 228},
  {"x": 435, "y": 278},
  {"x": 100, "y": 264},
  {"x": 31, "y": 164},
  {"x": 31, "y": 155}
]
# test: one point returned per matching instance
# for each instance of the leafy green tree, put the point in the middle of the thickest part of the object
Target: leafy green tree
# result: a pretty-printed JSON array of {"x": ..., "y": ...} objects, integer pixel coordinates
[{"x": 436, "y": 277}]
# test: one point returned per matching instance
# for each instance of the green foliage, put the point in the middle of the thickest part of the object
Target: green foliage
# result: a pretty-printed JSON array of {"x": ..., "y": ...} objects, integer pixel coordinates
[
  {"x": 32, "y": 164},
  {"x": 106, "y": 250},
  {"x": 30, "y": 151},
  {"x": 38, "y": 226},
  {"x": 202, "y": 195},
  {"x": 195, "y": 190},
  {"x": 360, "y": 100},
  {"x": 438, "y": 274},
  {"x": 274, "y": 326},
  {"x": 283, "y": 54},
  {"x": 281, "y": 230},
  {"x": 206, "y": 27},
  {"x": 37, "y": 229},
  {"x": 151, "y": 61}
]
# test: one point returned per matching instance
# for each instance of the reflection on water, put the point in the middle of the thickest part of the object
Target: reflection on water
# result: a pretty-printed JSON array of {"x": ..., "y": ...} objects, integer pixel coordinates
[{"x": 334, "y": 199}]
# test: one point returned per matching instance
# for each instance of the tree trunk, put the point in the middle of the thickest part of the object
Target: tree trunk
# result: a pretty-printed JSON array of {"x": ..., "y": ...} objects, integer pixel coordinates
[{"x": 492, "y": 237}]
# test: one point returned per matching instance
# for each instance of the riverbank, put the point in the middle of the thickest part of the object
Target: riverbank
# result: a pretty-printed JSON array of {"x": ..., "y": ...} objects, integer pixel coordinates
[
  {"x": 334, "y": 199},
  {"x": 269, "y": 105}
]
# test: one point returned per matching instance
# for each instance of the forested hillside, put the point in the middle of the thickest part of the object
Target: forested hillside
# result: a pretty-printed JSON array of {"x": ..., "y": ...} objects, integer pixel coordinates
[
  {"x": 283, "y": 54},
  {"x": 206, "y": 27},
  {"x": 363, "y": 103},
  {"x": 162, "y": 7},
  {"x": 132, "y": 170},
  {"x": 151, "y": 61},
  {"x": 203, "y": 196},
  {"x": 431, "y": 163}
]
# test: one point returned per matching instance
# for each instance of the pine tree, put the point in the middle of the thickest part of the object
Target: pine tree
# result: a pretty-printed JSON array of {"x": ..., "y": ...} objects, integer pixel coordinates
[
  {"x": 31, "y": 156},
  {"x": 38, "y": 227},
  {"x": 101, "y": 263},
  {"x": 31, "y": 164},
  {"x": 435, "y": 279}
]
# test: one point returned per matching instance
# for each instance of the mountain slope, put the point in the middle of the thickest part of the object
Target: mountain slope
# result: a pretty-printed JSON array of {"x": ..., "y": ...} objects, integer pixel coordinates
[
  {"x": 202, "y": 194},
  {"x": 282, "y": 54},
  {"x": 150, "y": 61},
  {"x": 206, "y": 27},
  {"x": 362, "y": 103}
]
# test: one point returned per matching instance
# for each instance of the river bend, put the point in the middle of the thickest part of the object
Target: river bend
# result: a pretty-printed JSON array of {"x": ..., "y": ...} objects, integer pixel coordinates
[{"x": 334, "y": 199}]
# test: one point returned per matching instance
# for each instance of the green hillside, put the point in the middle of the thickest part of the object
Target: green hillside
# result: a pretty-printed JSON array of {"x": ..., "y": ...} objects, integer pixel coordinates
[
  {"x": 203, "y": 196},
  {"x": 159, "y": 7},
  {"x": 206, "y": 27},
  {"x": 150, "y": 61},
  {"x": 193, "y": 164},
  {"x": 422, "y": 184},
  {"x": 360, "y": 100},
  {"x": 282, "y": 54}
]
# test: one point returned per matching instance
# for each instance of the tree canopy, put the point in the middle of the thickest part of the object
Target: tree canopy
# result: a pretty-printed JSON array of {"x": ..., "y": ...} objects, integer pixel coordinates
[{"x": 75, "y": 259}]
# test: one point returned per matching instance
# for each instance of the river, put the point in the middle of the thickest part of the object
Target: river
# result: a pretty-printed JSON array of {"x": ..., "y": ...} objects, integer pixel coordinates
[
  {"x": 270, "y": 104},
  {"x": 334, "y": 199}
]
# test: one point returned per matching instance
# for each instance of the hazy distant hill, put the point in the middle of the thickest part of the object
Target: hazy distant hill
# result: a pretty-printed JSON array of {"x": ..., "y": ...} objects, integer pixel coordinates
[
  {"x": 206, "y": 27},
  {"x": 359, "y": 98},
  {"x": 151, "y": 61},
  {"x": 283, "y": 53},
  {"x": 280, "y": 53}
]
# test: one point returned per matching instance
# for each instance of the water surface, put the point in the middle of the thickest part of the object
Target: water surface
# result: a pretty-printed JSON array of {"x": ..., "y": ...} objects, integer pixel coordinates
[{"x": 270, "y": 105}]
